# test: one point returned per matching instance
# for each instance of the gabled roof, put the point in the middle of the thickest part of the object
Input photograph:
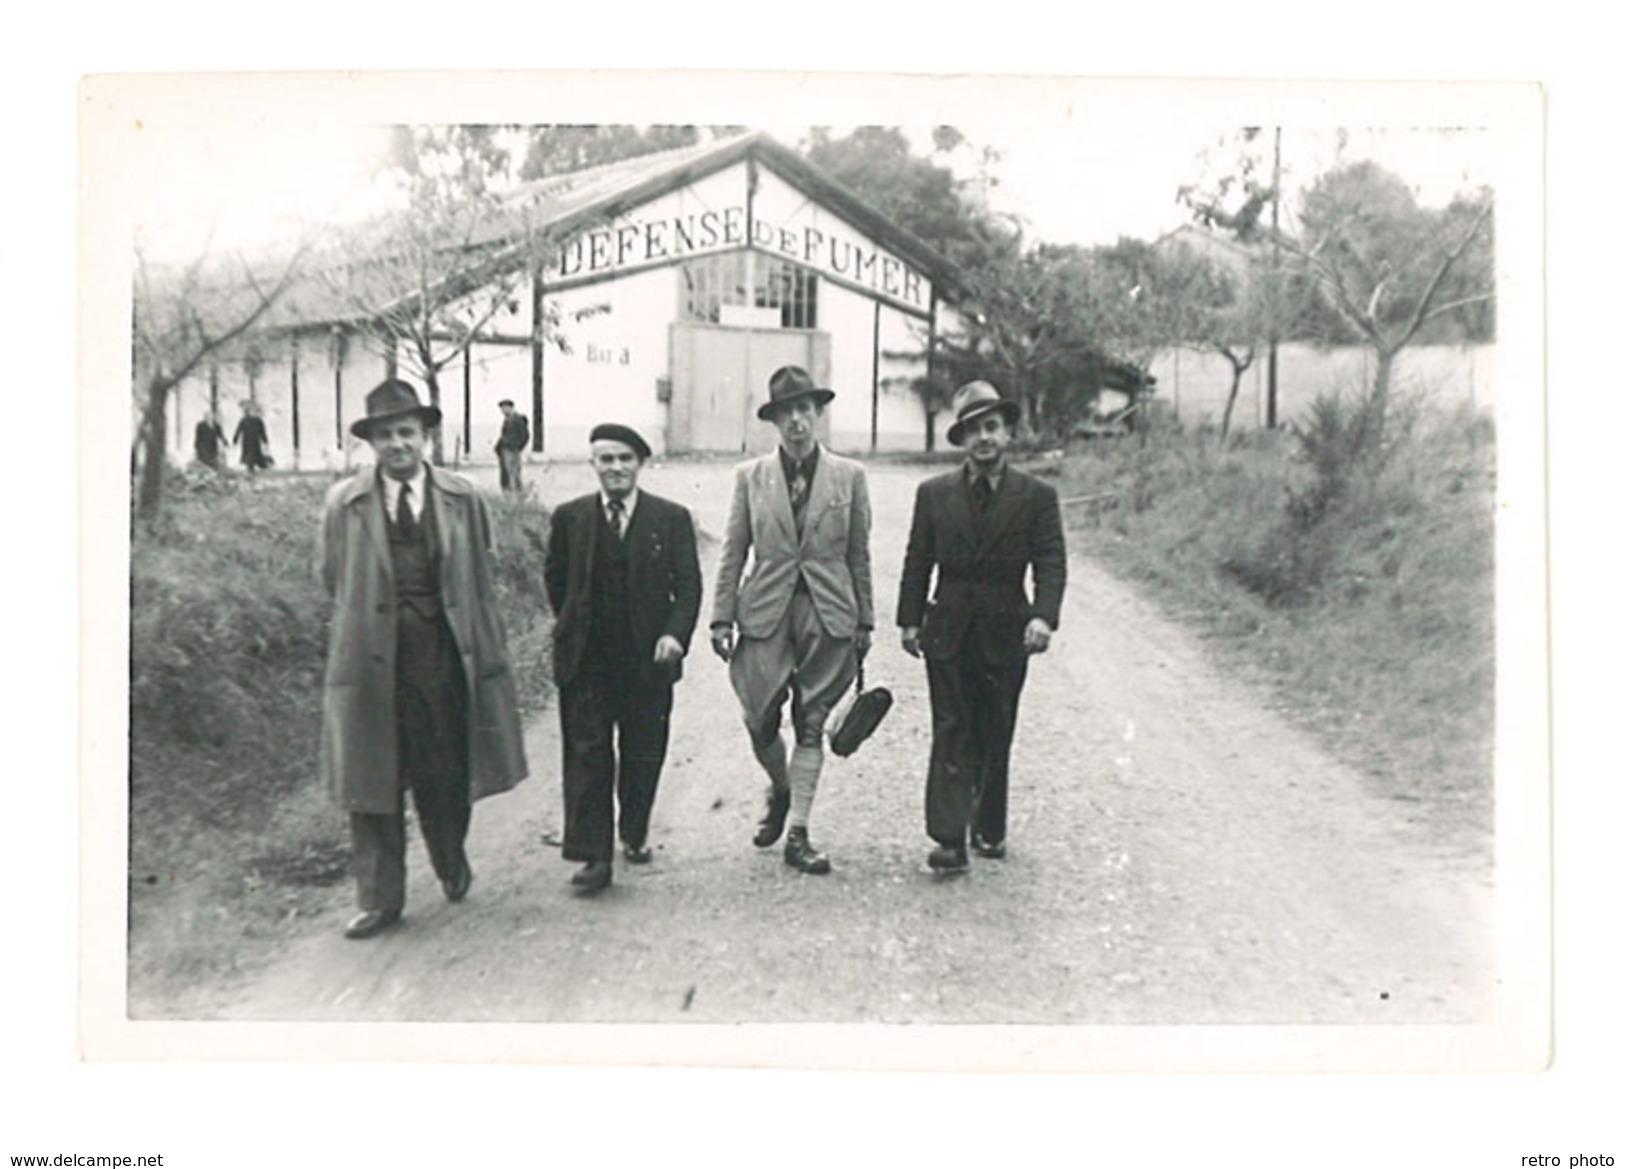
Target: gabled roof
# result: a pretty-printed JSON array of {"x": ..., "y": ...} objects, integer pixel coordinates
[
  {"x": 560, "y": 205},
  {"x": 1236, "y": 256}
]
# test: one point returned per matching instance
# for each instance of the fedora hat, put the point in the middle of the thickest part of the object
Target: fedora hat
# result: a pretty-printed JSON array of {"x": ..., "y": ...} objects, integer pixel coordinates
[
  {"x": 788, "y": 384},
  {"x": 393, "y": 398},
  {"x": 974, "y": 399}
]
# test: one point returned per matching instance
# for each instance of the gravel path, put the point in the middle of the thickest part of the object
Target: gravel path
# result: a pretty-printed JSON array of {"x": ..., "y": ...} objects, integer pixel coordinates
[{"x": 1178, "y": 854}]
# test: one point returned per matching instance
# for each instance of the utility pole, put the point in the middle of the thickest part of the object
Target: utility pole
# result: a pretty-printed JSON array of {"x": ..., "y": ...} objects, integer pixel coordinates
[{"x": 1275, "y": 282}]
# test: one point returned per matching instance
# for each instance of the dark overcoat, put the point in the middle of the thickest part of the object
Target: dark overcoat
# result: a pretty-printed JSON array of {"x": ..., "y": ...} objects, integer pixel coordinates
[
  {"x": 359, "y": 756},
  {"x": 981, "y": 565},
  {"x": 663, "y": 582}
]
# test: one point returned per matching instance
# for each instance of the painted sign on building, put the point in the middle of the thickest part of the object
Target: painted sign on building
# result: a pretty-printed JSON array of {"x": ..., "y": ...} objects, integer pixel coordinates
[{"x": 720, "y": 215}]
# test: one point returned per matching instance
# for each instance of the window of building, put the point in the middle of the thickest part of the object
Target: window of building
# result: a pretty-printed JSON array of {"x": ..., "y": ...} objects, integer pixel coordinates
[{"x": 749, "y": 281}]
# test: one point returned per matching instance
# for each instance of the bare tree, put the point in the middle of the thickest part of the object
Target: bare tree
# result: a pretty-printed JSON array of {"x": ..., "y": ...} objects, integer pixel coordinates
[
  {"x": 1222, "y": 308},
  {"x": 182, "y": 319},
  {"x": 424, "y": 281},
  {"x": 1388, "y": 267}
]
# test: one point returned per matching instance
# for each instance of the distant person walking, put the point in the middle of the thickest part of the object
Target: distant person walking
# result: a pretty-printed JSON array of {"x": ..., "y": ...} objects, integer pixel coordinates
[
  {"x": 511, "y": 445},
  {"x": 419, "y": 696},
  {"x": 208, "y": 439},
  {"x": 623, "y": 578},
  {"x": 804, "y": 610},
  {"x": 251, "y": 439},
  {"x": 981, "y": 527}
]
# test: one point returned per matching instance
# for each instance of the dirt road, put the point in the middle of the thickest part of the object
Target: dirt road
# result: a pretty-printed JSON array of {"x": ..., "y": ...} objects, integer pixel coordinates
[{"x": 1178, "y": 854}]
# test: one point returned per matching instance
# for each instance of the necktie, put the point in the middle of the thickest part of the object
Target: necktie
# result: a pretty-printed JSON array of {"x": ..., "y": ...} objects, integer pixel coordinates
[
  {"x": 617, "y": 518},
  {"x": 403, "y": 509},
  {"x": 798, "y": 488},
  {"x": 983, "y": 493}
]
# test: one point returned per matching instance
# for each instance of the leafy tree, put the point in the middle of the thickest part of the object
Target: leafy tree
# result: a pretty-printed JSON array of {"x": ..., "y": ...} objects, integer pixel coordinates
[{"x": 183, "y": 318}]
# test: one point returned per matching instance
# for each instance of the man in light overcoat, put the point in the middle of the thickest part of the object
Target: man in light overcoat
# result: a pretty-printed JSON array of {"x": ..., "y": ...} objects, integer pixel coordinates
[
  {"x": 794, "y": 624},
  {"x": 419, "y": 696}
]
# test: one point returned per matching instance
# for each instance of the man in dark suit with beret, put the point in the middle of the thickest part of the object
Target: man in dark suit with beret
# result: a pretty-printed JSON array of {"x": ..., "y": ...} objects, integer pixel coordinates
[
  {"x": 623, "y": 577},
  {"x": 981, "y": 526}
]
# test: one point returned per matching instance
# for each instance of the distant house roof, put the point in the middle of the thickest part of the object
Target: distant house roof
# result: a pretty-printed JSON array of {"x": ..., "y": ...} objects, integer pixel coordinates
[
  {"x": 560, "y": 205},
  {"x": 1237, "y": 257}
]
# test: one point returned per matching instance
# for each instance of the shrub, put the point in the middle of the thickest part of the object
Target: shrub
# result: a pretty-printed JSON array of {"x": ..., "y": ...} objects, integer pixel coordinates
[{"x": 1355, "y": 571}]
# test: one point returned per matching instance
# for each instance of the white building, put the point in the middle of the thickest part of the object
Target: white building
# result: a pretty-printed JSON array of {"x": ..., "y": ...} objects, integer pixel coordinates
[{"x": 679, "y": 281}]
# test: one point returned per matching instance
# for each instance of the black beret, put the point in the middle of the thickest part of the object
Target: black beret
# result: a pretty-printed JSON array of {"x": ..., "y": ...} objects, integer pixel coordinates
[{"x": 615, "y": 432}]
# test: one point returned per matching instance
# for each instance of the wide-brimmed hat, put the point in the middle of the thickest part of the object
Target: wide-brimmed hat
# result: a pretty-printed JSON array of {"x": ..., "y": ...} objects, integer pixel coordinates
[
  {"x": 615, "y": 432},
  {"x": 788, "y": 384},
  {"x": 393, "y": 399},
  {"x": 974, "y": 399}
]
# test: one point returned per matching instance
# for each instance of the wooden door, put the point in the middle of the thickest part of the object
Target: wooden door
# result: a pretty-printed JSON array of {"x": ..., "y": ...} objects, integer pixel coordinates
[{"x": 719, "y": 377}]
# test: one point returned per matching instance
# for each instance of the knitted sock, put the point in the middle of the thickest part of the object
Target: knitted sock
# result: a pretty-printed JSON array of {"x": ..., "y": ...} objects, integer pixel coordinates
[
  {"x": 771, "y": 756},
  {"x": 805, "y": 764}
]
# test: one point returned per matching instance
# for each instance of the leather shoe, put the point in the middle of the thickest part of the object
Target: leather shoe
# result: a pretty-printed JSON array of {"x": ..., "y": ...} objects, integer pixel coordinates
[
  {"x": 639, "y": 854},
  {"x": 992, "y": 849},
  {"x": 371, "y": 923},
  {"x": 771, "y": 825},
  {"x": 948, "y": 859},
  {"x": 800, "y": 854},
  {"x": 456, "y": 888},
  {"x": 593, "y": 876}
]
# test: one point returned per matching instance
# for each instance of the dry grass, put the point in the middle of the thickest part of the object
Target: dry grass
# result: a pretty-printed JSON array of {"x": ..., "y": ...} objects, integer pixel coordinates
[{"x": 1372, "y": 623}]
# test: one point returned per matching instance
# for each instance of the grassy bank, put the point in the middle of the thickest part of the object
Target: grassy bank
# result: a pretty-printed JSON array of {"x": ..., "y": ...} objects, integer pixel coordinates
[
  {"x": 1360, "y": 594},
  {"x": 231, "y": 838}
]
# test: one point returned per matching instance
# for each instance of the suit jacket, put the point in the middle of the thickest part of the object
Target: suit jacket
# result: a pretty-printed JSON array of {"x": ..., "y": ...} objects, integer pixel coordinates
[
  {"x": 981, "y": 565},
  {"x": 359, "y": 758},
  {"x": 832, "y": 552},
  {"x": 663, "y": 582}
]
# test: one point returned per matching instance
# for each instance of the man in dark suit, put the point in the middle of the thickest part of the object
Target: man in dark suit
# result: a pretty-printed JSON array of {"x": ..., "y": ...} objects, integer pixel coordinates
[
  {"x": 623, "y": 577},
  {"x": 981, "y": 527}
]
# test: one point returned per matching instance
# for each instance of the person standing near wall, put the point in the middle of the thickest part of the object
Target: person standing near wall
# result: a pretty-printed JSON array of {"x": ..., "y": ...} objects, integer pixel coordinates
[
  {"x": 208, "y": 439},
  {"x": 511, "y": 445},
  {"x": 251, "y": 439}
]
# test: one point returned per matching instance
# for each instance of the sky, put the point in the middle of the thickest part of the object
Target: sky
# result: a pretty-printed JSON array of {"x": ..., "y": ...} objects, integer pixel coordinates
[{"x": 1085, "y": 162}]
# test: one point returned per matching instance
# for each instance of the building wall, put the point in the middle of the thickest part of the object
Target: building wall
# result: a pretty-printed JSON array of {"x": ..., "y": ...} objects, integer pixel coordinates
[
  {"x": 1195, "y": 384},
  {"x": 849, "y": 318},
  {"x": 617, "y": 358}
]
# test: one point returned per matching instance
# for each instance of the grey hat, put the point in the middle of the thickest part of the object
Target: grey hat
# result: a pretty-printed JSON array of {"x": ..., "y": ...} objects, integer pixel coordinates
[
  {"x": 974, "y": 399},
  {"x": 789, "y": 383}
]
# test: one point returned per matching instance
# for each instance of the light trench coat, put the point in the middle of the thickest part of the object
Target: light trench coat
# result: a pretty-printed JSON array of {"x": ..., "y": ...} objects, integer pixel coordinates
[{"x": 359, "y": 756}]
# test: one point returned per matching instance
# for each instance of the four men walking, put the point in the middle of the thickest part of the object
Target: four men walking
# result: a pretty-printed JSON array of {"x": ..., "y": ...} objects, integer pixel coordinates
[{"x": 419, "y": 696}]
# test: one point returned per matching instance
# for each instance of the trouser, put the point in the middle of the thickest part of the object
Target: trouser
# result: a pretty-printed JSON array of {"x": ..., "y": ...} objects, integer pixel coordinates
[
  {"x": 615, "y": 733},
  {"x": 799, "y": 661},
  {"x": 431, "y": 716},
  {"x": 973, "y": 720},
  {"x": 512, "y": 464}
]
